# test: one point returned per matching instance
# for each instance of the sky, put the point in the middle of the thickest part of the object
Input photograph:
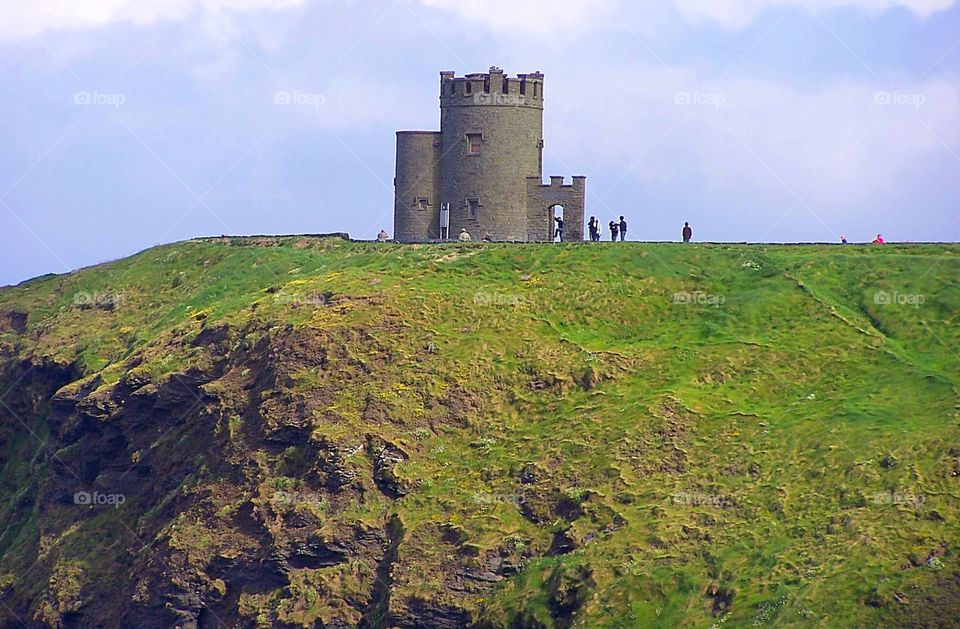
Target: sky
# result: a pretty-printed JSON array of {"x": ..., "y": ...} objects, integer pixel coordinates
[{"x": 130, "y": 123}]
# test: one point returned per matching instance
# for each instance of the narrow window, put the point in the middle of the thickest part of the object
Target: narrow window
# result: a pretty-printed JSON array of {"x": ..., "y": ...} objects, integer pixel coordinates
[
  {"x": 469, "y": 87},
  {"x": 453, "y": 88},
  {"x": 473, "y": 143},
  {"x": 523, "y": 87},
  {"x": 422, "y": 203},
  {"x": 473, "y": 205}
]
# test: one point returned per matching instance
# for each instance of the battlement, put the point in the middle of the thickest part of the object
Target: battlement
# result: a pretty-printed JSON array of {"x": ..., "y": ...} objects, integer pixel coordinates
[
  {"x": 493, "y": 88},
  {"x": 556, "y": 183}
]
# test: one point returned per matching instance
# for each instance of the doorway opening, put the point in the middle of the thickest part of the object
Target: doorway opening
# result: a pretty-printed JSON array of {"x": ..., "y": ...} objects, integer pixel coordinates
[{"x": 556, "y": 225}]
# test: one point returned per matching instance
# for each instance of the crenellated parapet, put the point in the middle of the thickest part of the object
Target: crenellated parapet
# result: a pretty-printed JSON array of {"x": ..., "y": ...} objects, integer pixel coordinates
[{"x": 493, "y": 88}]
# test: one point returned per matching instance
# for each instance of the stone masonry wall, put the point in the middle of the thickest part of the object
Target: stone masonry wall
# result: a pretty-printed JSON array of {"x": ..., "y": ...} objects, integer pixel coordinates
[
  {"x": 418, "y": 175},
  {"x": 541, "y": 200}
]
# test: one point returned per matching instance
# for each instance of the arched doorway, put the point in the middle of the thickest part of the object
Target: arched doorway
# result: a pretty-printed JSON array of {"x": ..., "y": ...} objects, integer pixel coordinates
[{"x": 555, "y": 212}]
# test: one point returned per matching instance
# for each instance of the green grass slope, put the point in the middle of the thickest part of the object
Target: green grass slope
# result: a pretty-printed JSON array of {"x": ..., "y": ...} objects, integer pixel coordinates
[{"x": 613, "y": 435}]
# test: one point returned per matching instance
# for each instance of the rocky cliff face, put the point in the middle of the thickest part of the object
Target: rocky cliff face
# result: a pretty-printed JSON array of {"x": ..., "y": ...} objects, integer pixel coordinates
[{"x": 207, "y": 493}]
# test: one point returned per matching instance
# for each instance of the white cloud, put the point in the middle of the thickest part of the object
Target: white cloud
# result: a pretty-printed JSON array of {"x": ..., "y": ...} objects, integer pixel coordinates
[
  {"x": 541, "y": 17},
  {"x": 25, "y": 19},
  {"x": 739, "y": 13},
  {"x": 842, "y": 143},
  {"x": 558, "y": 17}
]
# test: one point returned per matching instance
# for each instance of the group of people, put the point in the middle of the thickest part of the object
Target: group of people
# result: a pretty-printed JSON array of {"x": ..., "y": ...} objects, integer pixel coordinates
[
  {"x": 876, "y": 241},
  {"x": 617, "y": 228}
]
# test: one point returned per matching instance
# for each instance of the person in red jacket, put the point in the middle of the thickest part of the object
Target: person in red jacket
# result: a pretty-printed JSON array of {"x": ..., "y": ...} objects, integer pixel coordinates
[
  {"x": 878, "y": 240},
  {"x": 687, "y": 232}
]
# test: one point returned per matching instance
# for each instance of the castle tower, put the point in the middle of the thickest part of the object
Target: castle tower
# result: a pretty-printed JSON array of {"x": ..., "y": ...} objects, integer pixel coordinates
[
  {"x": 492, "y": 128},
  {"x": 485, "y": 164}
]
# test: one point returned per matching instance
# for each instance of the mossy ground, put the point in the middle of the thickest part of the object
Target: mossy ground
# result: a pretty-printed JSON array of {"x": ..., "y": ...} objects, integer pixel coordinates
[{"x": 713, "y": 434}]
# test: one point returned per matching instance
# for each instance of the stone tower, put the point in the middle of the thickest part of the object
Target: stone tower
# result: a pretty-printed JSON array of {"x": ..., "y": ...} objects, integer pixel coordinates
[{"x": 486, "y": 162}]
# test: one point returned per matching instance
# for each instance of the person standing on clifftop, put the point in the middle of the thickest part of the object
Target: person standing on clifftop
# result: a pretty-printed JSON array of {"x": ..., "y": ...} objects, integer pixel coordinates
[
  {"x": 687, "y": 232},
  {"x": 592, "y": 226},
  {"x": 382, "y": 236},
  {"x": 614, "y": 228},
  {"x": 623, "y": 229}
]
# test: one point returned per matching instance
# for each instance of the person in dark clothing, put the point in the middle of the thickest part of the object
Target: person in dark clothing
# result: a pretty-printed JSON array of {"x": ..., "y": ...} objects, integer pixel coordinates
[
  {"x": 614, "y": 228},
  {"x": 687, "y": 232},
  {"x": 559, "y": 231},
  {"x": 623, "y": 229},
  {"x": 592, "y": 225}
]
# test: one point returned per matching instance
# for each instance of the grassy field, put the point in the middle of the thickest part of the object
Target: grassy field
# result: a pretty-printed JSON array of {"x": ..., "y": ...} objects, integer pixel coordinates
[{"x": 631, "y": 435}]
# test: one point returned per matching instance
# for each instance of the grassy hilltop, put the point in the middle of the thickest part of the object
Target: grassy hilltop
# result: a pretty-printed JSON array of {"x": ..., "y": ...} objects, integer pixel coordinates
[{"x": 316, "y": 432}]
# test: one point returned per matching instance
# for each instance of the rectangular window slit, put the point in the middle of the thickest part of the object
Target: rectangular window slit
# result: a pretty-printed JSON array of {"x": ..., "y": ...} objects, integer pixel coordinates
[{"x": 473, "y": 143}]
